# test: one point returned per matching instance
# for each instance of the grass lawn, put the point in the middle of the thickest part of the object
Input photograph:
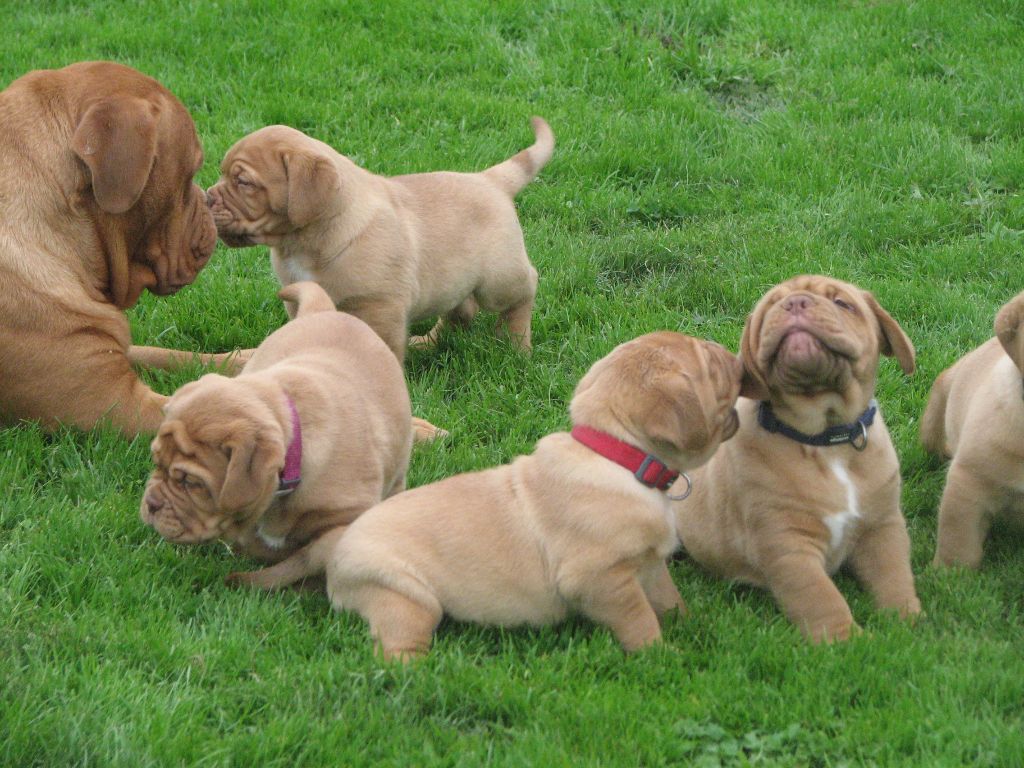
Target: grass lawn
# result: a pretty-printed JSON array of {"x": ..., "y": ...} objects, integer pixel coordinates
[{"x": 705, "y": 152}]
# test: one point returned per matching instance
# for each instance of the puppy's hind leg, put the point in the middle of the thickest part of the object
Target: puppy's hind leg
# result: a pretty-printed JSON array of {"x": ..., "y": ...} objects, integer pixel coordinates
[
  {"x": 308, "y": 561},
  {"x": 515, "y": 320},
  {"x": 401, "y": 627},
  {"x": 460, "y": 317}
]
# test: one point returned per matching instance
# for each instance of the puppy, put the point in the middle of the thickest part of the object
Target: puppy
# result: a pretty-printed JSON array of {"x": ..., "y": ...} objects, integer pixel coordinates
[
  {"x": 811, "y": 481},
  {"x": 975, "y": 415},
  {"x": 313, "y": 431},
  {"x": 97, "y": 204},
  {"x": 390, "y": 251},
  {"x": 583, "y": 524}
]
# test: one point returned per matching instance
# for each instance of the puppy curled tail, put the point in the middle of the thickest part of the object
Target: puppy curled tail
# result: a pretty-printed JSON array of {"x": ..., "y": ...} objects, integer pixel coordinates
[
  {"x": 523, "y": 167},
  {"x": 311, "y": 560},
  {"x": 933, "y": 422},
  {"x": 309, "y": 297}
]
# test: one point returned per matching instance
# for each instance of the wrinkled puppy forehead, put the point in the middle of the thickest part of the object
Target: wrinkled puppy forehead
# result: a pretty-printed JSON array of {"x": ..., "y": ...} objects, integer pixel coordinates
[
  {"x": 817, "y": 285},
  {"x": 263, "y": 148}
]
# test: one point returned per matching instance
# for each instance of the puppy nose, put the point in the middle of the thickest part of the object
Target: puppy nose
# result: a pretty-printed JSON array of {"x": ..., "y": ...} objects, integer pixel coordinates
[
  {"x": 797, "y": 303},
  {"x": 154, "y": 504}
]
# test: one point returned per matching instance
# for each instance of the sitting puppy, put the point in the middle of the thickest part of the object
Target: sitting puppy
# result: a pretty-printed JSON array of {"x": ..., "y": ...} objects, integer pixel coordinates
[
  {"x": 811, "y": 480},
  {"x": 582, "y": 524},
  {"x": 312, "y": 432},
  {"x": 390, "y": 251},
  {"x": 976, "y": 416}
]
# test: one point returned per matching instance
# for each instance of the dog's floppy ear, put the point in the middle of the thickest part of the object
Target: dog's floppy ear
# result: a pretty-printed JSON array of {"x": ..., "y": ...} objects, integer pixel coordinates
[
  {"x": 311, "y": 181},
  {"x": 753, "y": 384},
  {"x": 1008, "y": 329},
  {"x": 116, "y": 139},
  {"x": 254, "y": 460},
  {"x": 674, "y": 414},
  {"x": 893, "y": 341}
]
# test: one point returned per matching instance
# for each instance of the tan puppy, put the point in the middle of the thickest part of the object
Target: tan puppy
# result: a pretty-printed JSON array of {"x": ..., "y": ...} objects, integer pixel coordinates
[
  {"x": 774, "y": 512},
  {"x": 390, "y": 251},
  {"x": 976, "y": 416},
  {"x": 314, "y": 431},
  {"x": 96, "y": 204},
  {"x": 564, "y": 529}
]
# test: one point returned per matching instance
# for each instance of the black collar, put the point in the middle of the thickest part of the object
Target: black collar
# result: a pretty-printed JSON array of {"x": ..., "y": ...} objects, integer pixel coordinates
[{"x": 855, "y": 434}]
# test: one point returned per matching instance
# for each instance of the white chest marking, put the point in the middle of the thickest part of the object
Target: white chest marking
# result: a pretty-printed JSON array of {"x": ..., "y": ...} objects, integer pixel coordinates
[
  {"x": 839, "y": 521},
  {"x": 274, "y": 542}
]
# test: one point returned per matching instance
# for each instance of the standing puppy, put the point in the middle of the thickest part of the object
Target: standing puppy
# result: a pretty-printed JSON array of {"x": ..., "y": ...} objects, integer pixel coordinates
[
  {"x": 811, "y": 481},
  {"x": 312, "y": 432},
  {"x": 390, "y": 251},
  {"x": 976, "y": 416},
  {"x": 582, "y": 524}
]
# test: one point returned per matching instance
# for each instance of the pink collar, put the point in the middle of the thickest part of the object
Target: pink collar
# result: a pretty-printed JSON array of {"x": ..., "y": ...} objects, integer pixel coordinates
[
  {"x": 291, "y": 475},
  {"x": 646, "y": 467}
]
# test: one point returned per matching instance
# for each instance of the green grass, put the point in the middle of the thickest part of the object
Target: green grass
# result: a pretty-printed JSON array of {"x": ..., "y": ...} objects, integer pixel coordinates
[{"x": 705, "y": 152}]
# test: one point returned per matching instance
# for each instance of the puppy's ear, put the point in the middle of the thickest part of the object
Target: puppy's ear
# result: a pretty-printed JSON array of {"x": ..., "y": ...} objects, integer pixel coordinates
[
  {"x": 892, "y": 340},
  {"x": 753, "y": 383},
  {"x": 116, "y": 139},
  {"x": 312, "y": 181},
  {"x": 1008, "y": 329},
  {"x": 674, "y": 414},
  {"x": 254, "y": 460}
]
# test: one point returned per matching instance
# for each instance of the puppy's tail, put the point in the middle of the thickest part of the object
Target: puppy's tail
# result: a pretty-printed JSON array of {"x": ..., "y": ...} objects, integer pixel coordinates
[
  {"x": 311, "y": 560},
  {"x": 933, "y": 422},
  {"x": 309, "y": 297},
  {"x": 523, "y": 167}
]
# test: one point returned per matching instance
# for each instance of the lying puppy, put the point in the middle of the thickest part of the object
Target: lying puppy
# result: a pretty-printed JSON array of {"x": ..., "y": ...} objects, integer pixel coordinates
[
  {"x": 97, "y": 204},
  {"x": 583, "y": 524},
  {"x": 390, "y": 251},
  {"x": 314, "y": 431},
  {"x": 976, "y": 416},
  {"x": 811, "y": 481}
]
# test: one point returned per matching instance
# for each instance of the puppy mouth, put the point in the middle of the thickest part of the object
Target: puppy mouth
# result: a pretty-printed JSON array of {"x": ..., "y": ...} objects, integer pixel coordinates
[{"x": 803, "y": 361}]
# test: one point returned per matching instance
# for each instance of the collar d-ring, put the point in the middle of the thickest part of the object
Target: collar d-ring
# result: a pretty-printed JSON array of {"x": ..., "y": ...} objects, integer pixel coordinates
[{"x": 689, "y": 487}]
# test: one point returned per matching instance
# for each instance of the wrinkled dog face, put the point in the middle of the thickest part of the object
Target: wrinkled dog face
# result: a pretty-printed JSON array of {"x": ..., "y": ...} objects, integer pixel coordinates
[
  {"x": 813, "y": 334},
  {"x": 217, "y": 458},
  {"x": 139, "y": 152},
  {"x": 675, "y": 394},
  {"x": 273, "y": 183}
]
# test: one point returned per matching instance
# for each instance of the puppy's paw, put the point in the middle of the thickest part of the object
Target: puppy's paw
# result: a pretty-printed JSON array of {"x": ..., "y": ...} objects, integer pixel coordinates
[
  {"x": 424, "y": 432},
  {"x": 239, "y": 579}
]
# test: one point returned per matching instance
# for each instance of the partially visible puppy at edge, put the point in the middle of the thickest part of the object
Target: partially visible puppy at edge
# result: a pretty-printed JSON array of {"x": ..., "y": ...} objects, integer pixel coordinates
[
  {"x": 811, "y": 481},
  {"x": 583, "y": 524},
  {"x": 975, "y": 415},
  {"x": 315, "y": 430},
  {"x": 391, "y": 251}
]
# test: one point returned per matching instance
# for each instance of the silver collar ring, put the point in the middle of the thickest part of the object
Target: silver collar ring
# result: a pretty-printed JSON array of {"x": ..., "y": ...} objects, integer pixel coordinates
[{"x": 689, "y": 487}]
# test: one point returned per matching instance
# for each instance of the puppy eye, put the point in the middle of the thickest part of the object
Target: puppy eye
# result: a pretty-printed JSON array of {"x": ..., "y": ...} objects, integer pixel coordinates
[
  {"x": 243, "y": 182},
  {"x": 842, "y": 304}
]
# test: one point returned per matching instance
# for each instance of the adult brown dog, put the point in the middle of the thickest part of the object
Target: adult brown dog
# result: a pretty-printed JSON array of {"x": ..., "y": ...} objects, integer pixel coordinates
[
  {"x": 390, "y": 251},
  {"x": 975, "y": 415},
  {"x": 811, "y": 481},
  {"x": 583, "y": 524},
  {"x": 311, "y": 433},
  {"x": 97, "y": 204}
]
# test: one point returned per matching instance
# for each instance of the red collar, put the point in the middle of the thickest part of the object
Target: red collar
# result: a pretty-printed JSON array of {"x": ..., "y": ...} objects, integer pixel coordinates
[
  {"x": 291, "y": 475},
  {"x": 646, "y": 467}
]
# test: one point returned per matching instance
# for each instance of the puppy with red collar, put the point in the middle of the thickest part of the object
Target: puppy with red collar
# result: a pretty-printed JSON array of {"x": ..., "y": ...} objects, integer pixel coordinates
[{"x": 583, "y": 524}]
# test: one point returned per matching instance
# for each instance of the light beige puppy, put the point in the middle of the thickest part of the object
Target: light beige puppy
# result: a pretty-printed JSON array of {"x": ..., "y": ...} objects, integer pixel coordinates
[
  {"x": 771, "y": 511},
  {"x": 976, "y": 416},
  {"x": 563, "y": 529},
  {"x": 390, "y": 251},
  {"x": 321, "y": 408}
]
